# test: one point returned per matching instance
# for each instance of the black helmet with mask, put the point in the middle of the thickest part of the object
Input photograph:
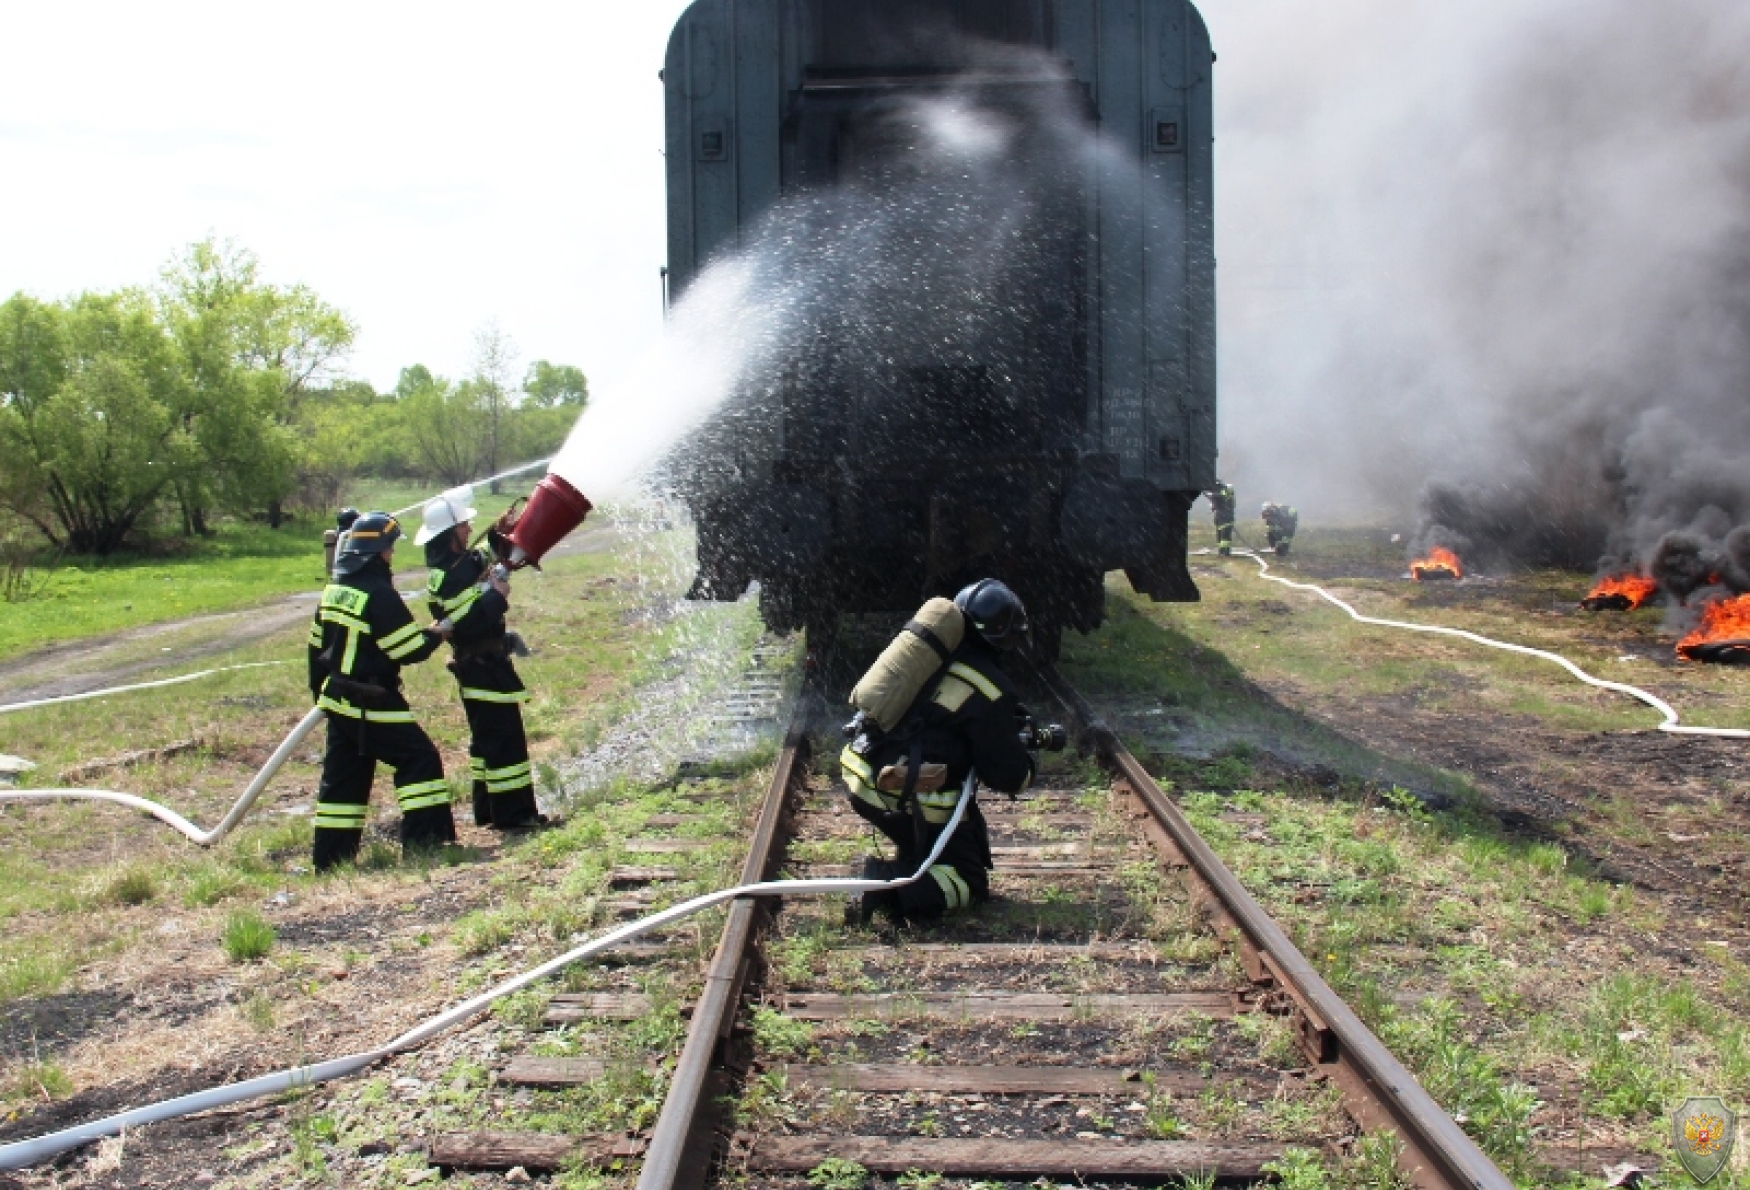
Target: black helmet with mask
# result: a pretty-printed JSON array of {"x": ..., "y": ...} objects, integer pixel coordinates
[{"x": 995, "y": 612}]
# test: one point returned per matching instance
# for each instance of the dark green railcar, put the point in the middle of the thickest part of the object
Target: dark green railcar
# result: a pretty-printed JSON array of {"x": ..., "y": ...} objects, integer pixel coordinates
[{"x": 986, "y": 228}]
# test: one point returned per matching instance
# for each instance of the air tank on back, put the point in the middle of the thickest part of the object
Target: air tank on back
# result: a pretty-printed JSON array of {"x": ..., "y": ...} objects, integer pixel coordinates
[{"x": 983, "y": 233}]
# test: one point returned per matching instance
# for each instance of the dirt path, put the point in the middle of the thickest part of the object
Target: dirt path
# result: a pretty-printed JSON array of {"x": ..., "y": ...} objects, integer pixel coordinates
[{"x": 174, "y": 646}]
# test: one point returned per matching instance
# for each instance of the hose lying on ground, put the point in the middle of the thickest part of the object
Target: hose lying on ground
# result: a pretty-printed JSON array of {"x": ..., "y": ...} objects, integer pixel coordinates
[
  {"x": 1672, "y": 724},
  {"x": 105, "y": 693},
  {"x": 24, "y": 1153},
  {"x": 170, "y": 817}
]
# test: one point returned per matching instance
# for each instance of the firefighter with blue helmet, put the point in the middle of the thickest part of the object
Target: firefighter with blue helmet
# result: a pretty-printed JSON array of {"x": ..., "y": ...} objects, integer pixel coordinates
[
  {"x": 470, "y": 591},
  {"x": 907, "y": 784},
  {"x": 360, "y": 638}
]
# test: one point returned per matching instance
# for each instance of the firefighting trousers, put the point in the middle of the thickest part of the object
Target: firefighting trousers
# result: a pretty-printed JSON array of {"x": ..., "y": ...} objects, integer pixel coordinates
[
  {"x": 350, "y": 765},
  {"x": 957, "y": 881},
  {"x": 498, "y": 755},
  {"x": 498, "y": 748}
]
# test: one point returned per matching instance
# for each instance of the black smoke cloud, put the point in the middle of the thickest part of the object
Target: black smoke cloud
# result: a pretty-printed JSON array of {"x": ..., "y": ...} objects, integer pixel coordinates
[{"x": 1489, "y": 265}]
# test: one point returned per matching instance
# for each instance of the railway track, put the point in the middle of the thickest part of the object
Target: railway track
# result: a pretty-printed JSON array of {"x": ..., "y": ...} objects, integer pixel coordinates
[{"x": 1121, "y": 1012}]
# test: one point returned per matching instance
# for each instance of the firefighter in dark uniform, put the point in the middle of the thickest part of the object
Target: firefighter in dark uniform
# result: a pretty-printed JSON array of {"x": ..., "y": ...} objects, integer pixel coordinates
[
  {"x": 1280, "y": 522},
  {"x": 466, "y": 591},
  {"x": 967, "y": 718},
  {"x": 362, "y": 635},
  {"x": 1223, "y": 503}
]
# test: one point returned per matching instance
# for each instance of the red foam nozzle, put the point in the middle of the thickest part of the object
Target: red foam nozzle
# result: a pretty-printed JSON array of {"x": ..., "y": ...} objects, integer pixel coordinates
[{"x": 554, "y": 509}]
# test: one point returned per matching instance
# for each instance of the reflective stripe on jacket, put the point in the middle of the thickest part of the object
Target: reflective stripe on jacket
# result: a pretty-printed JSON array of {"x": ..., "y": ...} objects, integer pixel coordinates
[{"x": 363, "y": 633}]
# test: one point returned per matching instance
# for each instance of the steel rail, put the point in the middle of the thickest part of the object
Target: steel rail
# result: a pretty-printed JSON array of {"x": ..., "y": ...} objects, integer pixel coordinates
[
  {"x": 679, "y": 1148},
  {"x": 1378, "y": 1090}
]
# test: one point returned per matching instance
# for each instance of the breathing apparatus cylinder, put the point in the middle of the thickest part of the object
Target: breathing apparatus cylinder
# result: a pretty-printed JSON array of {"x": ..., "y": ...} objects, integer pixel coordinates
[{"x": 912, "y": 659}]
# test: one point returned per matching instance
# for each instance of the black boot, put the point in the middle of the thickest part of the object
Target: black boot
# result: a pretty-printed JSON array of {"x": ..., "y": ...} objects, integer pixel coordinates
[
  {"x": 482, "y": 805},
  {"x": 884, "y": 902},
  {"x": 332, "y": 847},
  {"x": 516, "y": 811},
  {"x": 427, "y": 827}
]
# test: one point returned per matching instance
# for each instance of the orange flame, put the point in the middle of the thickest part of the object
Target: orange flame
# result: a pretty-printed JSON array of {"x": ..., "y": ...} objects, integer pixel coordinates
[
  {"x": 1724, "y": 619},
  {"x": 1440, "y": 563},
  {"x": 1637, "y": 589}
]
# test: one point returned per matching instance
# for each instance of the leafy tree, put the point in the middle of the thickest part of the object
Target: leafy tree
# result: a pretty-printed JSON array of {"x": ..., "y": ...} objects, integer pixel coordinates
[
  {"x": 251, "y": 350},
  {"x": 547, "y": 386},
  {"x": 89, "y": 430},
  {"x": 490, "y": 385},
  {"x": 34, "y": 358},
  {"x": 341, "y": 427},
  {"x": 411, "y": 380},
  {"x": 445, "y": 427}
]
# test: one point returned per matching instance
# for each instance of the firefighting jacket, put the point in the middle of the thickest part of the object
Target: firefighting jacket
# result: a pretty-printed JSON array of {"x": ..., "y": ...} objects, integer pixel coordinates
[
  {"x": 1222, "y": 503},
  {"x": 968, "y": 719},
  {"x": 360, "y": 638},
  {"x": 456, "y": 590}
]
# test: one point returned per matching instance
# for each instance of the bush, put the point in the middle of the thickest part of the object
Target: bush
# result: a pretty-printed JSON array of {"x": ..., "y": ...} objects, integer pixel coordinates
[{"x": 247, "y": 937}]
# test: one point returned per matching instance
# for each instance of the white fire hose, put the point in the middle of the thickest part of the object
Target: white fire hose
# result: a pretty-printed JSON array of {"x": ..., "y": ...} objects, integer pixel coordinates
[
  {"x": 105, "y": 693},
  {"x": 1672, "y": 724},
  {"x": 489, "y": 479},
  {"x": 170, "y": 817},
  {"x": 25, "y": 1153}
]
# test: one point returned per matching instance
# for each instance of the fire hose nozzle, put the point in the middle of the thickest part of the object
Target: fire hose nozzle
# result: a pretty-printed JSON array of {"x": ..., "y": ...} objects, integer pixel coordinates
[
  {"x": 1050, "y": 738},
  {"x": 554, "y": 509}
]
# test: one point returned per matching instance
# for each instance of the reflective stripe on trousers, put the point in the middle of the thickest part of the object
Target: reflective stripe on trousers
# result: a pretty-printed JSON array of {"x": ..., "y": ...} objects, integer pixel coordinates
[
  {"x": 507, "y": 779},
  {"x": 479, "y": 695},
  {"x": 953, "y": 885},
  {"x": 340, "y": 816},
  {"x": 422, "y": 794}
]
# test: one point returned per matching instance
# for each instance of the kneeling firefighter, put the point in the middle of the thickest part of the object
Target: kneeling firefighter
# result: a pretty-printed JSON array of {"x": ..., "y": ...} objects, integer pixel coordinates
[
  {"x": 1280, "y": 523},
  {"x": 362, "y": 635},
  {"x": 935, "y": 706},
  {"x": 471, "y": 591}
]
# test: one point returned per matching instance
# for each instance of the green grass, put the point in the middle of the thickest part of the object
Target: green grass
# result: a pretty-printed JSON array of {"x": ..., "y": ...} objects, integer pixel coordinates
[
  {"x": 131, "y": 886},
  {"x": 247, "y": 937},
  {"x": 242, "y": 565}
]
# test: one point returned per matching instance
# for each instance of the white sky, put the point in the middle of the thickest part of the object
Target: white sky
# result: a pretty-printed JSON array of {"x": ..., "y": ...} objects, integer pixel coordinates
[{"x": 426, "y": 167}]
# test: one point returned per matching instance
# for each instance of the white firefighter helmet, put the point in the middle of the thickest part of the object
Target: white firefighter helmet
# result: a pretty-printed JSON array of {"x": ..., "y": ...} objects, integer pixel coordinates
[{"x": 445, "y": 512}]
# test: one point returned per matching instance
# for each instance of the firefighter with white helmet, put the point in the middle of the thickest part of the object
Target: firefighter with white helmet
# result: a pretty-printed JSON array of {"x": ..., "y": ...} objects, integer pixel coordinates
[{"x": 470, "y": 590}]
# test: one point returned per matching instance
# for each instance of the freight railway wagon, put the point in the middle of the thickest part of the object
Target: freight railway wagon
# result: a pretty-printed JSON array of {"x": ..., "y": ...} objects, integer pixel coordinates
[{"x": 987, "y": 228}]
